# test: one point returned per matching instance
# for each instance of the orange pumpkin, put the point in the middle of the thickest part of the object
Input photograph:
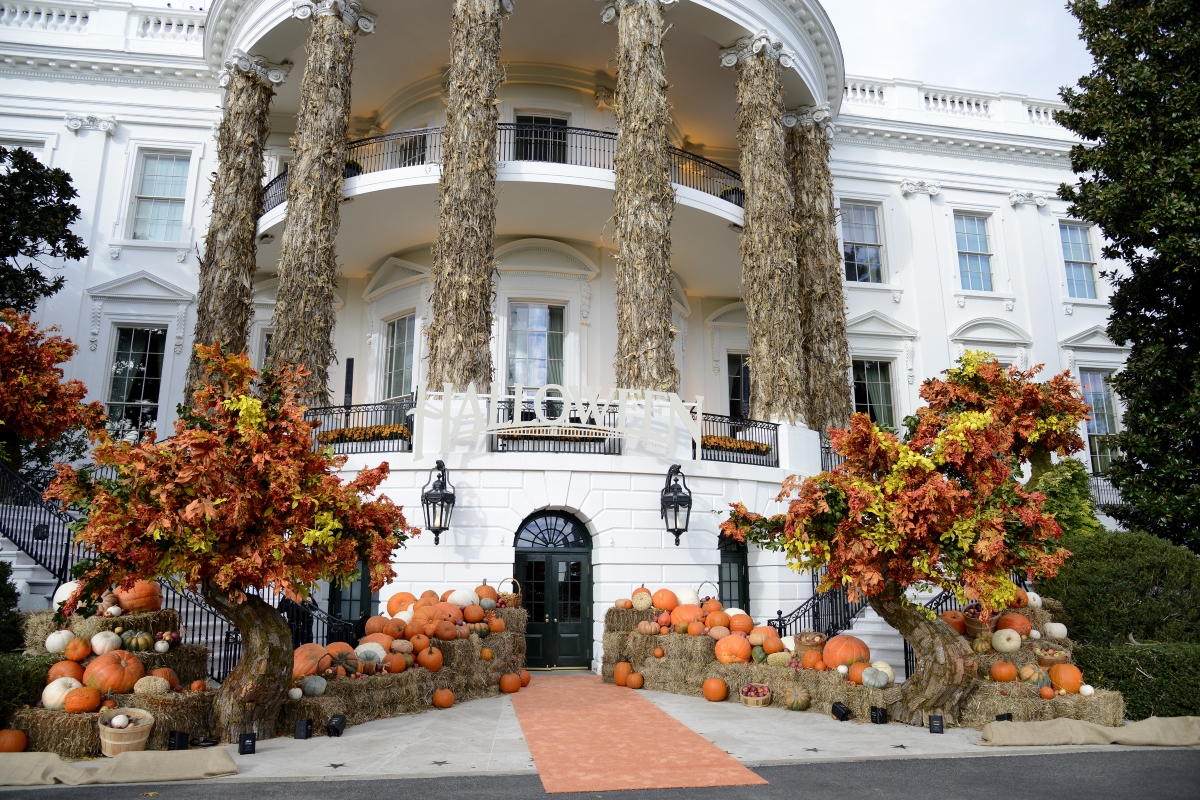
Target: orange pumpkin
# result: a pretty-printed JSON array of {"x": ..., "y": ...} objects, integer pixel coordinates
[
  {"x": 1047, "y": 692},
  {"x": 510, "y": 683},
  {"x": 144, "y": 596},
  {"x": 446, "y": 595},
  {"x": 429, "y": 594},
  {"x": 856, "y": 671},
  {"x": 427, "y": 615},
  {"x": 496, "y": 625},
  {"x": 394, "y": 662},
  {"x": 306, "y": 660},
  {"x": 956, "y": 620},
  {"x": 664, "y": 630},
  {"x": 419, "y": 642},
  {"x": 485, "y": 592},
  {"x": 66, "y": 669},
  {"x": 635, "y": 681},
  {"x": 167, "y": 674},
  {"x": 732, "y": 650},
  {"x": 473, "y": 614},
  {"x": 341, "y": 657},
  {"x": 430, "y": 658},
  {"x": 487, "y": 654},
  {"x": 665, "y": 599},
  {"x": 664, "y": 618},
  {"x": 375, "y": 624},
  {"x": 658, "y": 652},
  {"x": 116, "y": 672},
  {"x": 764, "y": 630},
  {"x": 685, "y": 614},
  {"x": 1021, "y": 600},
  {"x": 443, "y": 698},
  {"x": 715, "y": 690},
  {"x": 445, "y": 631},
  {"x": 717, "y": 619},
  {"x": 77, "y": 649},
  {"x": 200, "y": 686},
  {"x": 83, "y": 700},
  {"x": 773, "y": 645},
  {"x": 820, "y": 666},
  {"x": 810, "y": 658},
  {"x": 710, "y": 605},
  {"x": 109, "y": 703},
  {"x": 621, "y": 672},
  {"x": 452, "y": 612},
  {"x": 642, "y": 590},
  {"x": 12, "y": 741},
  {"x": 695, "y": 628},
  {"x": 845, "y": 649},
  {"x": 741, "y": 622},
  {"x": 1004, "y": 671},
  {"x": 1066, "y": 676},
  {"x": 627, "y": 604},
  {"x": 525, "y": 678},
  {"x": 401, "y": 601},
  {"x": 425, "y": 602},
  {"x": 1014, "y": 621}
]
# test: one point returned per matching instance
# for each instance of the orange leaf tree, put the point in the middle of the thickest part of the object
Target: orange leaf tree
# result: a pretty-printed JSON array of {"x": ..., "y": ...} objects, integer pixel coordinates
[
  {"x": 237, "y": 500},
  {"x": 941, "y": 508},
  {"x": 36, "y": 405}
]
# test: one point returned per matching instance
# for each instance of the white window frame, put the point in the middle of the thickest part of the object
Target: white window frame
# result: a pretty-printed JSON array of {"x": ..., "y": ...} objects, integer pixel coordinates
[
  {"x": 135, "y": 152},
  {"x": 885, "y": 273},
  {"x": 992, "y": 254},
  {"x": 384, "y": 323},
  {"x": 570, "y": 342},
  {"x": 47, "y": 143},
  {"x": 1101, "y": 298},
  {"x": 891, "y": 359}
]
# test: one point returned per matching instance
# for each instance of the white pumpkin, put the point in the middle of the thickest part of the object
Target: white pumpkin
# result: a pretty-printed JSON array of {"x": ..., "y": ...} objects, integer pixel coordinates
[
  {"x": 119, "y": 721},
  {"x": 1035, "y": 634},
  {"x": 886, "y": 669},
  {"x": 54, "y": 696},
  {"x": 687, "y": 597},
  {"x": 58, "y": 641},
  {"x": 1006, "y": 640},
  {"x": 789, "y": 643},
  {"x": 405, "y": 616},
  {"x": 371, "y": 651},
  {"x": 732, "y": 611},
  {"x": 843, "y": 669},
  {"x": 63, "y": 593},
  {"x": 161, "y": 646},
  {"x": 114, "y": 611},
  {"x": 1035, "y": 599},
  {"x": 105, "y": 642},
  {"x": 1087, "y": 690},
  {"x": 1055, "y": 630},
  {"x": 463, "y": 598},
  {"x": 295, "y": 693}
]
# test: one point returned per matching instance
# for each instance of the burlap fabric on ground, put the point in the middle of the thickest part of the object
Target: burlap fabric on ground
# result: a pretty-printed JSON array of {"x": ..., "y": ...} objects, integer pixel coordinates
[
  {"x": 40, "y": 624},
  {"x": 1160, "y": 731},
  {"x": 40, "y": 769},
  {"x": 1022, "y": 700}
]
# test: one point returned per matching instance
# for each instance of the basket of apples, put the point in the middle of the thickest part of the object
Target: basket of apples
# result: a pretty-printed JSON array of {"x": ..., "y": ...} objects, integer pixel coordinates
[{"x": 756, "y": 695}]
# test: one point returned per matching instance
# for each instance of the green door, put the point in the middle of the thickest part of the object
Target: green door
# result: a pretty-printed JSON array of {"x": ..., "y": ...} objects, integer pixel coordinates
[
  {"x": 735, "y": 581},
  {"x": 354, "y": 602},
  {"x": 553, "y": 565}
]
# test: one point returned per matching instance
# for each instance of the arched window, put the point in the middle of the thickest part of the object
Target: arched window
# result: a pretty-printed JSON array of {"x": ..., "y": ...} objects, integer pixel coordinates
[
  {"x": 552, "y": 529},
  {"x": 553, "y": 565}
]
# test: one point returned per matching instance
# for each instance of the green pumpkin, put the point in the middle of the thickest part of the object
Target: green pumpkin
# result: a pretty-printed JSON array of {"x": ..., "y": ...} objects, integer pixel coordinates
[
  {"x": 487, "y": 604},
  {"x": 874, "y": 678},
  {"x": 313, "y": 686},
  {"x": 797, "y": 699},
  {"x": 1034, "y": 675},
  {"x": 137, "y": 641},
  {"x": 760, "y": 655}
]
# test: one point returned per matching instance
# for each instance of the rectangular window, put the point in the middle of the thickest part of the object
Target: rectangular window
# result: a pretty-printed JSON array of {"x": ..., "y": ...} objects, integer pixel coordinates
[
  {"x": 974, "y": 254},
  {"x": 861, "y": 244},
  {"x": 540, "y": 138},
  {"x": 136, "y": 376},
  {"x": 161, "y": 186},
  {"x": 1077, "y": 254},
  {"x": 739, "y": 385},
  {"x": 1103, "y": 424},
  {"x": 873, "y": 392},
  {"x": 535, "y": 344},
  {"x": 398, "y": 358}
]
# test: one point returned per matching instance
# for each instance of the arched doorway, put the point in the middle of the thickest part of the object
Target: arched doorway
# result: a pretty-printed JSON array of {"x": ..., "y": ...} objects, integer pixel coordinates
[
  {"x": 735, "y": 579},
  {"x": 554, "y": 566}
]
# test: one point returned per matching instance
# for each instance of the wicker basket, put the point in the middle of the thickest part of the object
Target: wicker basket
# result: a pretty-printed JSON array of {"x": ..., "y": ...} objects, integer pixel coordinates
[
  {"x": 511, "y": 599},
  {"x": 757, "y": 702},
  {"x": 975, "y": 628},
  {"x": 716, "y": 590},
  {"x": 804, "y": 647},
  {"x": 113, "y": 741},
  {"x": 1046, "y": 662}
]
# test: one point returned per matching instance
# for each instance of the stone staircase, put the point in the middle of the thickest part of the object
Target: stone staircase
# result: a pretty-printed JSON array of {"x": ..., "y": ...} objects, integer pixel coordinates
[
  {"x": 35, "y": 583},
  {"x": 885, "y": 642}
]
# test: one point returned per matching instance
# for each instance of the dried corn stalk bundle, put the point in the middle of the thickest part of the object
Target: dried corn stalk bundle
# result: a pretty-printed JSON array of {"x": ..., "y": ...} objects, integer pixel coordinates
[
  {"x": 464, "y": 259},
  {"x": 825, "y": 356},
  {"x": 645, "y": 202}
]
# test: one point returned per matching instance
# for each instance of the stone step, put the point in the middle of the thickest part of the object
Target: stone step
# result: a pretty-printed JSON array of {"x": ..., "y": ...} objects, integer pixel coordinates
[{"x": 34, "y": 583}]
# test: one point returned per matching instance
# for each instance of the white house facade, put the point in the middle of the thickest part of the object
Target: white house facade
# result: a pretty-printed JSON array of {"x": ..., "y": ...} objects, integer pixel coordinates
[{"x": 952, "y": 233}]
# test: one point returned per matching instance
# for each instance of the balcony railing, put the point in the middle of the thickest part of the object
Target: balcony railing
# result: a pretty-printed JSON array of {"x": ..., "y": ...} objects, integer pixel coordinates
[
  {"x": 1104, "y": 493},
  {"x": 739, "y": 441},
  {"x": 551, "y": 144},
  {"x": 374, "y": 428},
  {"x": 543, "y": 440}
]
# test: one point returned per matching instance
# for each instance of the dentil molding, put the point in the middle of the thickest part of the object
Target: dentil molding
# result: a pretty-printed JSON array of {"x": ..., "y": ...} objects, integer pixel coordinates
[
  {"x": 350, "y": 11},
  {"x": 909, "y": 186},
  {"x": 91, "y": 122},
  {"x": 1016, "y": 197},
  {"x": 750, "y": 46},
  {"x": 256, "y": 67}
]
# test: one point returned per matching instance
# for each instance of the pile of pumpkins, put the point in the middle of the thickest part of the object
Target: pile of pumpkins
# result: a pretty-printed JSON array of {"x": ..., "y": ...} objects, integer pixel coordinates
[
  {"x": 685, "y": 612},
  {"x": 1057, "y": 681},
  {"x": 848, "y": 655},
  {"x": 142, "y": 597}
]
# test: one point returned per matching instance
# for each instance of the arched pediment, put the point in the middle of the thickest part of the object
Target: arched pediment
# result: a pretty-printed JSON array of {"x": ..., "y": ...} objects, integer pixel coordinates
[
  {"x": 990, "y": 330},
  {"x": 546, "y": 257},
  {"x": 396, "y": 273},
  {"x": 730, "y": 316}
]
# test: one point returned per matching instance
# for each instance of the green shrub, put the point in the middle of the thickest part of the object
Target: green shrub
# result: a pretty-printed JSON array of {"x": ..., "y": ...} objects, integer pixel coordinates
[
  {"x": 1160, "y": 680},
  {"x": 1069, "y": 497},
  {"x": 21, "y": 681},
  {"x": 1119, "y": 583},
  {"x": 11, "y": 633}
]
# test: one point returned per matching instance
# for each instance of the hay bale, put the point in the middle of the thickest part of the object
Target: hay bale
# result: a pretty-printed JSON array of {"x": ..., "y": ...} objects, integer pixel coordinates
[
  {"x": 190, "y": 712},
  {"x": 190, "y": 662},
  {"x": 515, "y": 619},
  {"x": 672, "y": 675},
  {"x": 1053, "y": 607},
  {"x": 72, "y": 736},
  {"x": 319, "y": 709},
  {"x": 615, "y": 645},
  {"x": 696, "y": 649},
  {"x": 639, "y": 648},
  {"x": 381, "y": 696},
  {"x": 40, "y": 624},
  {"x": 625, "y": 620},
  {"x": 1022, "y": 700}
]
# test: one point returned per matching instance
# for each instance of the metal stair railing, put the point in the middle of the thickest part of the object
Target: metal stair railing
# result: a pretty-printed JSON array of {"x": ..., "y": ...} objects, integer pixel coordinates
[{"x": 829, "y": 613}]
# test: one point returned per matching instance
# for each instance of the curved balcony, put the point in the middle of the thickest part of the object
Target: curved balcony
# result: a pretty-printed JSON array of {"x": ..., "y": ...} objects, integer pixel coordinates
[{"x": 548, "y": 144}]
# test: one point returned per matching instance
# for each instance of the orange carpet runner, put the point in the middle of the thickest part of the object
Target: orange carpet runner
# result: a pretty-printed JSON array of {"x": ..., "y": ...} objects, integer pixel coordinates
[{"x": 589, "y": 736}]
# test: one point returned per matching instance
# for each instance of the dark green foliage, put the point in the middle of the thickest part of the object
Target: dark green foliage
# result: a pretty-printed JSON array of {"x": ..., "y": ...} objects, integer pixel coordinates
[
  {"x": 1139, "y": 180},
  {"x": 36, "y": 213},
  {"x": 21, "y": 681},
  {"x": 1158, "y": 681},
  {"x": 1121, "y": 583},
  {"x": 11, "y": 637},
  {"x": 38, "y": 460},
  {"x": 1069, "y": 497}
]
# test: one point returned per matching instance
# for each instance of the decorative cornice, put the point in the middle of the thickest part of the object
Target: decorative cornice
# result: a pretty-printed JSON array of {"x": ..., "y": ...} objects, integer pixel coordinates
[
  {"x": 612, "y": 10},
  {"x": 974, "y": 144},
  {"x": 750, "y": 46},
  {"x": 255, "y": 66},
  {"x": 909, "y": 186},
  {"x": 808, "y": 116},
  {"x": 91, "y": 122},
  {"x": 350, "y": 11},
  {"x": 1018, "y": 196}
]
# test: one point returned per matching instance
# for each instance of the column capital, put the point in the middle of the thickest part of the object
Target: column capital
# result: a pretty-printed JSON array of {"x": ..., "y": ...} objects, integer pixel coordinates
[
  {"x": 256, "y": 67},
  {"x": 750, "y": 46},
  {"x": 913, "y": 186},
  {"x": 612, "y": 10},
  {"x": 808, "y": 116},
  {"x": 92, "y": 122},
  {"x": 350, "y": 11}
]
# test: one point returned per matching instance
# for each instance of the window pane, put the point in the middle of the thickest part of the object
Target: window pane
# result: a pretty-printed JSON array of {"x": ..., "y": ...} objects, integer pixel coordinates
[
  {"x": 535, "y": 344},
  {"x": 974, "y": 254},
  {"x": 164, "y": 175},
  {"x": 398, "y": 358},
  {"x": 873, "y": 392},
  {"x": 860, "y": 239},
  {"x": 136, "y": 377},
  {"x": 1103, "y": 424},
  {"x": 739, "y": 392},
  {"x": 1077, "y": 256}
]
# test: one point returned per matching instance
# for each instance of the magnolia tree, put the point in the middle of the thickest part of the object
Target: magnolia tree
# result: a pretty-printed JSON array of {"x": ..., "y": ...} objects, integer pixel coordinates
[
  {"x": 36, "y": 405},
  {"x": 939, "y": 509},
  {"x": 238, "y": 500}
]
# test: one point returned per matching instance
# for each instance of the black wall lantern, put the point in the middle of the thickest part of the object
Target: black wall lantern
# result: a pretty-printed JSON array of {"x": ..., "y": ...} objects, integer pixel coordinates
[
  {"x": 676, "y": 502},
  {"x": 437, "y": 499}
]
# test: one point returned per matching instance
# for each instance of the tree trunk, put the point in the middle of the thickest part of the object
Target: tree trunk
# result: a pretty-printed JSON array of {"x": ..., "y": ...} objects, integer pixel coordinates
[
  {"x": 825, "y": 355},
  {"x": 645, "y": 203},
  {"x": 464, "y": 259},
  {"x": 308, "y": 271},
  {"x": 227, "y": 270},
  {"x": 946, "y": 665},
  {"x": 770, "y": 289},
  {"x": 252, "y": 694},
  {"x": 1039, "y": 464}
]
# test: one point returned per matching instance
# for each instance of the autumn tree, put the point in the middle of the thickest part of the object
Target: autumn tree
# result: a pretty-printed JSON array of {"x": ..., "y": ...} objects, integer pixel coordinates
[
  {"x": 940, "y": 509},
  {"x": 37, "y": 406},
  {"x": 236, "y": 501}
]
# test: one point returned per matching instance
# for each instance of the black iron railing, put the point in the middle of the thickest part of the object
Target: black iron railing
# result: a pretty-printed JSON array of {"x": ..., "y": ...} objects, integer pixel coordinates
[
  {"x": 829, "y": 613},
  {"x": 372, "y": 428},
  {"x": 42, "y": 531},
  {"x": 549, "y": 439},
  {"x": 830, "y": 458},
  {"x": 552, "y": 144},
  {"x": 1104, "y": 493},
  {"x": 739, "y": 441}
]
